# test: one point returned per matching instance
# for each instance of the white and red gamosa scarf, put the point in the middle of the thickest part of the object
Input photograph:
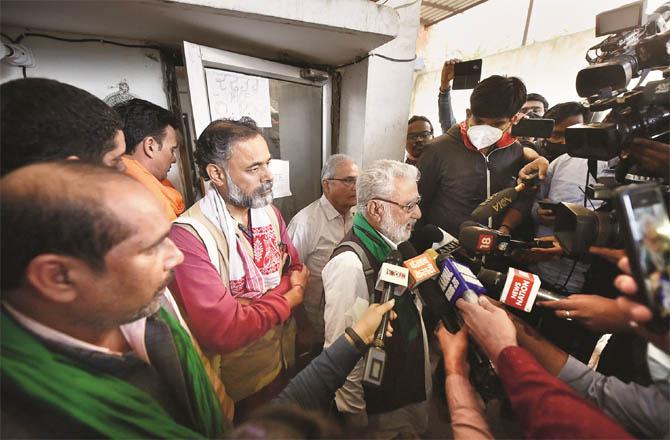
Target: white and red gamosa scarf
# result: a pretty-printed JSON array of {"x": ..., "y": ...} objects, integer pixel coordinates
[{"x": 249, "y": 277}]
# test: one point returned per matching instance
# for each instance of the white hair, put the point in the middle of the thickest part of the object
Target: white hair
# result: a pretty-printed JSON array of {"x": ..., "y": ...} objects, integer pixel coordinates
[
  {"x": 378, "y": 180},
  {"x": 328, "y": 171}
]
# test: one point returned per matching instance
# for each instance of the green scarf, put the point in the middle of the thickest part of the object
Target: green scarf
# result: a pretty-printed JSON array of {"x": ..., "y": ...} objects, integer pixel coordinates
[
  {"x": 371, "y": 238},
  {"x": 406, "y": 322},
  {"x": 104, "y": 403}
]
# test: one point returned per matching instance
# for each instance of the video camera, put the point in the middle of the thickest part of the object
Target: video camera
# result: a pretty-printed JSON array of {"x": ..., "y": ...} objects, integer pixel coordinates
[{"x": 637, "y": 44}]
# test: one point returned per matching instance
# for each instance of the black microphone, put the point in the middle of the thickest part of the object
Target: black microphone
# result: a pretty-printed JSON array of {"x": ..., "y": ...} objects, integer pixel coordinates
[
  {"x": 478, "y": 239},
  {"x": 392, "y": 275},
  {"x": 482, "y": 373},
  {"x": 517, "y": 288},
  {"x": 424, "y": 237},
  {"x": 497, "y": 203},
  {"x": 431, "y": 294}
]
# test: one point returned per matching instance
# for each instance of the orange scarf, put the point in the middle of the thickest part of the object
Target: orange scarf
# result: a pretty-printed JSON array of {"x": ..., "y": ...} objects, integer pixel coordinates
[{"x": 165, "y": 192}]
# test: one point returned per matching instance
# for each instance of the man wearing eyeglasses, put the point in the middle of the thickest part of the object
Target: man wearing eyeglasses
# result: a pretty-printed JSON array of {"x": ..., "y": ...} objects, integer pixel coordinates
[
  {"x": 315, "y": 231},
  {"x": 387, "y": 209},
  {"x": 419, "y": 132}
]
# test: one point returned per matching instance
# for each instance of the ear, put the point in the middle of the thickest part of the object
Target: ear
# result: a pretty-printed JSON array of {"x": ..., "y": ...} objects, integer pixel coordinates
[
  {"x": 374, "y": 212},
  {"x": 149, "y": 146},
  {"x": 216, "y": 174},
  {"x": 51, "y": 276},
  {"x": 468, "y": 113}
]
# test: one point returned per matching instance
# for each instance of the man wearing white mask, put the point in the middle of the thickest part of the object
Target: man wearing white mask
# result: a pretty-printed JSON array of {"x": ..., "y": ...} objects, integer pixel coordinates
[{"x": 477, "y": 158}]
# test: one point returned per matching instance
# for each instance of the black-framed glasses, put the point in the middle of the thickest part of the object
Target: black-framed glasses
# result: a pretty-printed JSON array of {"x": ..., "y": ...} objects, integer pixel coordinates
[
  {"x": 407, "y": 207},
  {"x": 347, "y": 180},
  {"x": 421, "y": 134}
]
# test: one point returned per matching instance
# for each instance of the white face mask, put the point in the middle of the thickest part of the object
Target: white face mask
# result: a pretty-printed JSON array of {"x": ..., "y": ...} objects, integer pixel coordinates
[{"x": 482, "y": 136}]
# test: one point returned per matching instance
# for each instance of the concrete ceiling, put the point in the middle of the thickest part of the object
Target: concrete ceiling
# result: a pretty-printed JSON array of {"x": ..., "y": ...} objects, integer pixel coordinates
[{"x": 321, "y": 32}]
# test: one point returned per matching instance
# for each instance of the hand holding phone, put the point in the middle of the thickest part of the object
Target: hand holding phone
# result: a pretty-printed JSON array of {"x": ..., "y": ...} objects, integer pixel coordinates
[{"x": 643, "y": 217}]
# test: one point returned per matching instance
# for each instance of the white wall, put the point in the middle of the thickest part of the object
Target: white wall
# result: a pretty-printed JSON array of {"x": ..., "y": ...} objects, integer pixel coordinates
[
  {"x": 376, "y": 94},
  {"x": 549, "y": 68},
  {"x": 97, "y": 68}
]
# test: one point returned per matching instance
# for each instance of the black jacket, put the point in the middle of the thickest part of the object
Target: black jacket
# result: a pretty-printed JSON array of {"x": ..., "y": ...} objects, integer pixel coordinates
[{"x": 455, "y": 179}]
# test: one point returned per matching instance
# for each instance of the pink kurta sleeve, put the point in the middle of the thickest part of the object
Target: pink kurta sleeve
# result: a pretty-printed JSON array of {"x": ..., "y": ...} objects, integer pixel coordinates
[
  {"x": 219, "y": 321},
  {"x": 466, "y": 412}
]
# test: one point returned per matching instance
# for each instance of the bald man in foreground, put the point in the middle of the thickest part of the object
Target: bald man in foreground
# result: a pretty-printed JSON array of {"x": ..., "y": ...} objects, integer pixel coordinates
[{"x": 86, "y": 349}]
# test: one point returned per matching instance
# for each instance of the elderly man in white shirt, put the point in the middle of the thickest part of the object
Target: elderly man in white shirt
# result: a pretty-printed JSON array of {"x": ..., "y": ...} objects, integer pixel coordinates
[
  {"x": 387, "y": 209},
  {"x": 315, "y": 231}
]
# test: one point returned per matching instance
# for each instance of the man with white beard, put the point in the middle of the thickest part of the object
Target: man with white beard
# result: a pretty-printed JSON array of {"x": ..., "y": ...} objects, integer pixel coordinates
[
  {"x": 387, "y": 209},
  {"x": 241, "y": 275}
]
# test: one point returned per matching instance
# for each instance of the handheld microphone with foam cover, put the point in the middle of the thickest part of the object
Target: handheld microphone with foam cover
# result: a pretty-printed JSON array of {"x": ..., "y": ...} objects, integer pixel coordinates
[
  {"x": 431, "y": 294},
  {"x": 424, "y": 237},
  {"x": 478, "y": 239},
  {"x": 391, "y": 275},
  {"x": 517, "y": 289}
]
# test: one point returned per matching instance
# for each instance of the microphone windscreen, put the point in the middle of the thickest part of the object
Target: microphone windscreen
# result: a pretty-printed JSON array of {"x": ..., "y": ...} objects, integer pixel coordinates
[
  {"x": 491, "y": 279},
  {"x": 394, "y": 257},
  {"x": 407, "y": 250},
  {"x": 494, "y": 205},
  {"x": 424, "y": 237}
]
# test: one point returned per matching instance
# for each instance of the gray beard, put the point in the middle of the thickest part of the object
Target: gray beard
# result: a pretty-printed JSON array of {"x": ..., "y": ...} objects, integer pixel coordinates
[
  {"x": 394, "y": 231},
  {"x": 257, "y": 199}
]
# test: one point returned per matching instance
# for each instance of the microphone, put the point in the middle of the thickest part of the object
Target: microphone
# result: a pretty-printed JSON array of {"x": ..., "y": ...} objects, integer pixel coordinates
[
  {"x": 457, "y": 281},
  {"x": 421, "y": 268},
  {"x": 391, "y": 275},
  {"x": 434, "y": 237},
  {"x": 432, "y": 295},
  {"x": 518, "y": 289},
  {"x": 497, "y": 203},
  {"x": 478, "y": 239},
  {"x": 438, "y": 307},
  {"x": 424, "y": 237}
]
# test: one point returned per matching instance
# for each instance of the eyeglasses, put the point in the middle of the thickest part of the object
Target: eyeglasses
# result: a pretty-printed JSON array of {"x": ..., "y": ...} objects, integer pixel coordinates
[
  {"x": 421, "y": 134},
  {"x": 407, "y": 208},
  {"x": 350, "y": 181}
]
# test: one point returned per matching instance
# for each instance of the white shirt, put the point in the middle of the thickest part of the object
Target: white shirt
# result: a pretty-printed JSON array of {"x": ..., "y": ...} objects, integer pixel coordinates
[
  {"x": 315, "y": 231},
  {"x": 347, "y": 299},
  {"x": 133, "y": 332}
]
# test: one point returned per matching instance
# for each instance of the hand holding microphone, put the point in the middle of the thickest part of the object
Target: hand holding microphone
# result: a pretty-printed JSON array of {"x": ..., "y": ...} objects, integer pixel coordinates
[
  {"x": 595, "y": 312},
  {"x": 391, "y": 276},
  {"x": 498, "y": 202},
  {"x": 488, "y": 325}
]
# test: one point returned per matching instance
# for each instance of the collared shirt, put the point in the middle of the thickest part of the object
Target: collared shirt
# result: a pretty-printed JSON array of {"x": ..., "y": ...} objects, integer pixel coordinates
[
  {"x": 642, "y": 410},
  {"x": 133, "y": 332},
  {"x": 315, "y": 231},
  {"x": 564, "y": 182},
  {"x": 347, "y": 299}
]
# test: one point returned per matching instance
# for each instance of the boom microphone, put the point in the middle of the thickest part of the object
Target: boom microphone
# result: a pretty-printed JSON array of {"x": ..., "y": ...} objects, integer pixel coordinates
[{"x": 518, "y": 289}]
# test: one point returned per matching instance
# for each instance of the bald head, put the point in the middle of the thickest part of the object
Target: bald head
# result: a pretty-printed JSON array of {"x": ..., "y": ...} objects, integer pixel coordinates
[{"x": 68, "y": 208}]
